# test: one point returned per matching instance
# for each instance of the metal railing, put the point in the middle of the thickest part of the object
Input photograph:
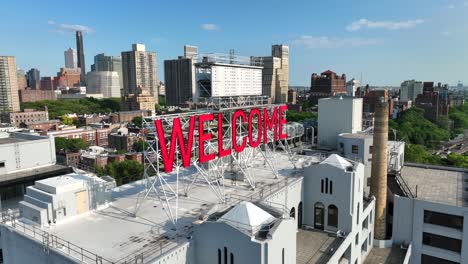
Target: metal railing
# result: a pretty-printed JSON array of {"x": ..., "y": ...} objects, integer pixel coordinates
[{"x": 50, "y": 241}]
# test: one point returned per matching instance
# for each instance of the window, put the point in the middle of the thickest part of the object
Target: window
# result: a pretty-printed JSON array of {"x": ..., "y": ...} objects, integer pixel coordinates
[
  {"x": 333, "y": 216},
  {"x": 426, "y": 259},
  {"x": 232, "y": 258},
  {"x": 370, "y": 149},
  {"x": 321, "y": 186},
  {"x": 282, "y": 257},
  {"x": 225, "y": 255},
  {"x": 442, "y": 242},
  {"x": 447, "y": 220},
  {"x": 326, "y": 185},
  {"x": 357, "y": 215},
  {"x": 354, "y": 149},
  {"x": 219, "y": 256},
  {"x": 2, "y": 164},
  {"x": 331, "y": 187}
]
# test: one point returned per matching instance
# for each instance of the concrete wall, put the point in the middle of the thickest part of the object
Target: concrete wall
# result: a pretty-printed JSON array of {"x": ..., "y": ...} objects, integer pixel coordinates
[
  {"x": 18, "y": 249},
  {"x": 26, "y": 155},
  {"x": 182, "y": 254},
  {"x": 283, "y": 239},
  {"x": 338, "y": 116},
  {"x": 408, "y": 218},
  {"x": 207, "y": 241}
]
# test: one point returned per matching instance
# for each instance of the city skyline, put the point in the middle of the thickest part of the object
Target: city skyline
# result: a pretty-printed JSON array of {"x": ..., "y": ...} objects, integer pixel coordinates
[{"x": 385, "y": 43}]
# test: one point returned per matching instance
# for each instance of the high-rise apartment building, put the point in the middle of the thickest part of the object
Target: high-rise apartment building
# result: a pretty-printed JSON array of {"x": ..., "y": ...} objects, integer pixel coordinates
[
  {"x": 180, "y": 85},
  {"x": 33, "y": 77},
  {"x": 326, "y": 84},
  {"x": 140, "y": 81},
  {"x": 275, "y": 75},
  {"x": 103, "y": 62},
  {"x": 70, "y": 58},
  {"x": 9, "y": 99},
  {"x": 106, "y": 83},
  {"x": 139, "y": 68},
  {"x": 410, "y": 89},
  {"x": 22, "y": 82},
  {"x": 81, "y": 56}
]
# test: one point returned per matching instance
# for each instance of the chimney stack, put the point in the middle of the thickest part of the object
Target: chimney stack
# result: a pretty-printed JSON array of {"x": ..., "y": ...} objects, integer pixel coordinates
[{"x": 378, "y": 186}]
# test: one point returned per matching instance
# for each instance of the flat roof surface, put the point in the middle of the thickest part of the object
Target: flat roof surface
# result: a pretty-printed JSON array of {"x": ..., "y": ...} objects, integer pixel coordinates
[
  {"x": 115, "y": 234},
  {"x": 436, "y": 185},
  {"x": 315, "y": 246},
  {"x": 393, "y": 255}
]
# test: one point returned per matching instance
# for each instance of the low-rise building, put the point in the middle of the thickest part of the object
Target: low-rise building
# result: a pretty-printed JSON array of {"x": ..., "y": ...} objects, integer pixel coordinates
[
  {"x": 53, "y": 200},
  {"x": 123, "y": 140},
  {"x": 29, "y": 95},
  {"x": 28, "y": 116}
]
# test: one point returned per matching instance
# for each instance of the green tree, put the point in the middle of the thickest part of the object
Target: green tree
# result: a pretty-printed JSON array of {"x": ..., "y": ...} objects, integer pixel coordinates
[
  {"x": 123, "y": 172},
  {"x": 70, "y": 144},
  {"x": 66, "y": 120},
  {"x": 138, "y": 121},
  {"x": 140, "y": 145}
]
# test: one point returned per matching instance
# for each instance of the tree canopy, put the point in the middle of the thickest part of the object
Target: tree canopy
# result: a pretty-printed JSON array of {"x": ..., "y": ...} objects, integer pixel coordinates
[
  {"x": 413, "y": 128},
  {"x": 70, "y": 144},
  {"x": 123, "y": 172},
  {"x": 81, "y": 106}
]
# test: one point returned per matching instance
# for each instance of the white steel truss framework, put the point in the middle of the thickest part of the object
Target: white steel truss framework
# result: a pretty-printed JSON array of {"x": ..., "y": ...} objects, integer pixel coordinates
[{"x": 161, "y": 186}]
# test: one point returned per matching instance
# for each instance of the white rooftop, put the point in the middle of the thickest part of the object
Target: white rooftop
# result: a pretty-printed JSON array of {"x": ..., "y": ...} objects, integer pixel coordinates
[
  {"x": 65, "y": 183},
  {"x": 115, "y": 234},
  {"x": 337, "y": 161},
  {"x": 248, "y": 214}
]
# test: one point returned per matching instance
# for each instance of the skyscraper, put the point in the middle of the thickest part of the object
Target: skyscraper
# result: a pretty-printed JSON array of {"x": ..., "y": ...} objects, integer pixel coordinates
[
  {"x": 70, "y": 58},
  {"x": 139, "y": 69},
  {"x": 108, "y": 63},
  {"x": 81, "y": 57},
  {"x": 179, "y": 77},
  {"x": 33, "y": 77},
  {"x": 275, "y": 76},
  {"x": 140, "y": 89},
  {"x": 9, "y": 99}
]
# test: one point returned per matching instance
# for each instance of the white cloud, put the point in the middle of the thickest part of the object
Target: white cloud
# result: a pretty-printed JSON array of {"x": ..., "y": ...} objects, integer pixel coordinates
[
  {"x": 210, "y": 27},
  {"x": 389, "y": 25},
  {"x": 64, "y": 28},
  {"x": 157, "y": 40},
  {"x": 327, "y": 42}
]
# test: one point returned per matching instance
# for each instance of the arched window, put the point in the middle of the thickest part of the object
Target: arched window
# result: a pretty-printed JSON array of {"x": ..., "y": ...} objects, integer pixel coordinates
[
  {"x": 319, "y": 215},
  {"x": 326, "y": 185},
  {"x": 292, "y": 213},
  {"x": 225, "y": 256},
  {"x": 219, "y": 256},
  {"x": 232, "y": 258},
  {"x": 321, "y": 189},
  {"x": 282, "y": 257},
  {"x": 357, "y": 215},
  {"x": 333, "y": 216}
]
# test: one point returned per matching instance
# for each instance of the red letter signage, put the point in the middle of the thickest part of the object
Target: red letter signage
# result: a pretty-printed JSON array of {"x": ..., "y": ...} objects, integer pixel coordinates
[
  {"x": 221, "y": 152},
  {"x": 282, "y": 121},
  {"x": 237, "y": 148},
  {"x": 270, "y": 124},
  {"x": 202, "y": 137},
  {"x": 177, "y": 139},
  {"x": 253, "y": 143}
]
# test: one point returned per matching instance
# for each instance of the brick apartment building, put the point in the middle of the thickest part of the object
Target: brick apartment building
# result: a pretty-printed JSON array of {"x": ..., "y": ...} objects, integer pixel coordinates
[
  {"x": 326, "y": 84},
  {"x": 94, "y": 136},
  {"x": 36, "y": 95},
  {"x": 434, "y": 100}
]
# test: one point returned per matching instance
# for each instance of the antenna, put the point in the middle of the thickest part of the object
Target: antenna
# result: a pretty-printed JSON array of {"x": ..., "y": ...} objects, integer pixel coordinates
[{"x": 232, "y": 56}]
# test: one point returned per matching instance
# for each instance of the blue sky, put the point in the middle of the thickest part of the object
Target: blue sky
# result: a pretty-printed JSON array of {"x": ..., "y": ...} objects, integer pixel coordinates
[{"x": 386, "y": 41}]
